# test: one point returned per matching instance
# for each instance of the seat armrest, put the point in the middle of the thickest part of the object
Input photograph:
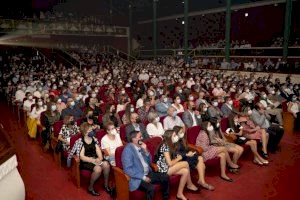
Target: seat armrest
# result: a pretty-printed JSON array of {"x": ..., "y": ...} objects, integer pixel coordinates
[
  {"x": 122, "y": 184},
  {"x": 194, "y": 148},
  {"x": 75, "y": 170}
]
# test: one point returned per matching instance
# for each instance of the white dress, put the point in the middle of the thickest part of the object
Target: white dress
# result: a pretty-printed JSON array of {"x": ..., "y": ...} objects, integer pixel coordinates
[{"x": 155, "y": 131}]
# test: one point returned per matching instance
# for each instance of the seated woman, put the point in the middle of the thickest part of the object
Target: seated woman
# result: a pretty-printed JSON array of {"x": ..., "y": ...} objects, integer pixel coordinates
[
  {"x": 210, "y": 151},
  {"x": 177, "y": 104},
  {"x": 93, "y": 110},
  {"x": 51, "y": 116},
  {"x": 203, "y": 112},
  {"x": 294, "y": 108},
  {"x": 237, "y": 130},
  {"x": 60, "y": 105},
  {"x": 111, "y": 115},
  {"x": 34, "y": 118},
  {"x": 68, "y": 129},
  {"x": 110, "y": 142},
  {"x": 154, "y": 128},
  {"x": 128, "y": 110},
  {"x": 91, "y": 159},
  {"x": 171, "y": 163},
  {"x": 253, "y": 132},
  {"x": 214, "y": 112},
  {"x": 193, "y": 158},
  {"x": 217, "y": 139},
  {"x": 122, "y": 102}
]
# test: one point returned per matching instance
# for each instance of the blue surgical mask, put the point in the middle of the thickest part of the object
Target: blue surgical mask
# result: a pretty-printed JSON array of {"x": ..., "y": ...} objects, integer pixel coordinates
[{"x": 92, "y": 133}]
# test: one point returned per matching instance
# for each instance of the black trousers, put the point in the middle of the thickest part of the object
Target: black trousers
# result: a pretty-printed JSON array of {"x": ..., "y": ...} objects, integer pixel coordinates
[
  {"x": 156, "y": 178},
  {"x": 275, "y": 135}
]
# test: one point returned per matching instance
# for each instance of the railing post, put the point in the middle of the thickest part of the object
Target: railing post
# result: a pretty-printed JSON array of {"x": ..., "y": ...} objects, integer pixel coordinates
[
  {"x": 228, "y": 27},
  {"x": 154, "y": 29},
  {"x": 186, "y": 27},
  {"x": 287, "y": 28}
]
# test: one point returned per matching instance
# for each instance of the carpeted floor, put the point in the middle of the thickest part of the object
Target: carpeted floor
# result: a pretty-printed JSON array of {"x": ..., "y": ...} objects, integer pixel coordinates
[{"x": 45, "y": 180}]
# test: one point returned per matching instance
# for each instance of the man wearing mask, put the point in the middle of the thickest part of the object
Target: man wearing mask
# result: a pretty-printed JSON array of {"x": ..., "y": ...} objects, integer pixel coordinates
[
  {"x": 172, "y": 120},
  {"x": 136, "y": 161},
  {"x": 179, "y": 92},
  {"x": 136, "y": 125},
  {"x": 227, "y": 107},
  {"x": 72, "y": 110},
  {"x": 191, "y": 117},
  {"x": 162, "y": 106},
  {"x": 270, "y": 108}
]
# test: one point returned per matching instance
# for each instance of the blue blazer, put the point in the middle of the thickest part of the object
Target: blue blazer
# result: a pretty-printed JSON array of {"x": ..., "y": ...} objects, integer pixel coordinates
[{"x": 133, "y": 167}]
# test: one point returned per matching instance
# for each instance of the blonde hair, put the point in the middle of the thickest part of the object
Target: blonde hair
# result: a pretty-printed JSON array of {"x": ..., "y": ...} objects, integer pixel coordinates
[{"x": 84, "y": 127}]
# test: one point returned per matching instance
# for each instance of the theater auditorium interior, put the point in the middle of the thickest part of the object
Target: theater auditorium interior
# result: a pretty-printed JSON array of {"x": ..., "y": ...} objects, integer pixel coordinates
[{"x": 149, "y": 99}]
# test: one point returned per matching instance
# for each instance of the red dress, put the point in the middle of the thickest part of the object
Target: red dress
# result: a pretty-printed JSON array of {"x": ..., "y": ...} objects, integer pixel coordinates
[{"x": 209, "y": 151}]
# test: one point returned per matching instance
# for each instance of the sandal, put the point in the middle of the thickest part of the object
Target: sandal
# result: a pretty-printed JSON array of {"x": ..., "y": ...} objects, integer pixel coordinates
[
  {"x": 257, "y": 162},
  {"x": 207, "y": 186}
]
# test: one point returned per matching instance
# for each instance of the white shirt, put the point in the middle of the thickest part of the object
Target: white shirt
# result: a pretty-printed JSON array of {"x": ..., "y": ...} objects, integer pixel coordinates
[
  {"x": 217, "y": 91},
  {"x": 112, "y": 145},
  {"x": 37, "y": 94},
  {"x": 155, "y": 131},
  {"x": 170, "y": 122},
  {"x": 144, "y": 77},
  {"x": 37, "y": 113},
  {"x": 20, "y": 95},
  {"x": 27, "y": 105},
  {"x": 189, "y": 84},
  {"x": 194, "y": 118},
  {"x": 120, "y": 107},
  {"x": 139, "y": 103}
]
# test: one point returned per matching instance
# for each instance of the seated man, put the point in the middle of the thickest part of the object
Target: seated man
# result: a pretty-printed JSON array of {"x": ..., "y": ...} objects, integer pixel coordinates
[
  {"x": 172, "y": 120},
  {"x": 136, "y": 125},
  {"x": 270, "y": 108},
  {"x": 227, "y": 107},
  {"x": 136, "y": 161},
  {"x": 72, "y": 110},
  {"x": 162, "y": 106},
  {"x": 191, "y": 117}
]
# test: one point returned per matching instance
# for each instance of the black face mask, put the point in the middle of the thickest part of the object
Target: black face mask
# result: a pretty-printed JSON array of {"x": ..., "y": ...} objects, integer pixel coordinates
[
  {"x": 113, "y": 111},
  {"x": 193, "y": 108},
  {"x": 140, "y": 142},
  {"x": 72, "y": 122},
  {"x": 138, "y": 120}
]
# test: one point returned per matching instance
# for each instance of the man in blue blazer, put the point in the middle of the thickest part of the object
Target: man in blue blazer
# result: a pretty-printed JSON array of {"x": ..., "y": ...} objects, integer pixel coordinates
[{"x": 136, "y": 161}]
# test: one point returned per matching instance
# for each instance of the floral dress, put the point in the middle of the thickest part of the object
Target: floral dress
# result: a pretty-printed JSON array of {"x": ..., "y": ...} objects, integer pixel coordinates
[
  {"x": 67, "y": 133},
  {"x": 162, "y": 164},
  {"x": 246, "y": 130},
  {"x": 209, "y": 151}
]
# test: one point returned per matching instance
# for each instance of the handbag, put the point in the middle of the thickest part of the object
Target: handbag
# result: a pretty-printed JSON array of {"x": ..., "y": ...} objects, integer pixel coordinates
[{"x": 59, "y": 147}]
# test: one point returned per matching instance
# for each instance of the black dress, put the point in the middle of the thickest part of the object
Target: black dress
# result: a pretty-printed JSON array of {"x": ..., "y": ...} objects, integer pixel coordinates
[
  {"x": 89, "y": 151},
  {"x": 193, "y": 160}
]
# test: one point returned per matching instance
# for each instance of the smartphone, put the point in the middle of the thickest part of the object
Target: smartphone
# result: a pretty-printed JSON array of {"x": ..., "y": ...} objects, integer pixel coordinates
[{"x": 100, "y": 163}]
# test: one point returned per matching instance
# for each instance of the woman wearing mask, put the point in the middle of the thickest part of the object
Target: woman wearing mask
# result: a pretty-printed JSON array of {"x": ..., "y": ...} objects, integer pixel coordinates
[
  {"x": 237, "y": 130},
  {"x": 51, "y": 116},
  {"x": 294, "y": 109},
  {"x": 171, "y": 163},
  {"x": 217, "y": 139},
  {"x": 111, "y": 115},
  {"x": 110, "y": 142},
  {"x": 253, "y": 132},
  {"x": 60, "y": 105},
  {"x": 210, "y": 152},
  {"x": 194, "y": 160},
  {"x": 204, "y": 112},
  {"x": 91, "y": 158},
  {"x": 214, "y": 113},
  {"x": 34, "y": 118},
  {"x": 154, "y": 128},
  {"x": 68, "y": 129},
  {"x": 128, "y": 110},
  {"x": 177, "y": 104}
]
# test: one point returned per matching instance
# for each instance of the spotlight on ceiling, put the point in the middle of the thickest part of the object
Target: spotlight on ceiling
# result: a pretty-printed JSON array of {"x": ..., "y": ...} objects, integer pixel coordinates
[{"x": 246, "y": 14}]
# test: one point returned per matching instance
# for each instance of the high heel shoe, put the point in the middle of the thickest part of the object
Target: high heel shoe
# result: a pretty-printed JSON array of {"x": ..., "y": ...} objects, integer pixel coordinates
[
  {"x": 265, "y": 162},
  {"x": 225, "y": 179},
  {"x": 265, "y": 155},
  {"x": 179, "y": 198},
  {"x": 257, "y": 162},
  {"x": 93, "y": 192}
]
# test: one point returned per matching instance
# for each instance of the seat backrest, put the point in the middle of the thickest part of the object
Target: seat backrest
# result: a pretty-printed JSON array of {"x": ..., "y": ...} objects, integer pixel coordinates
[
  {"x": 100, "y": 134},
  {"x": 118, "y": 156},
  {"x": 121, "y": 113},
  {"x": 56, "y": 127},
  {"x": 42, "y": 118},
  {"x": 161, "y": 119},
  {"x": 224, "y": 124},
  {"x": 152, "y": 145},
  {"x": 73, "y": 139},
  {"x": 192, "y": 134},
  {"x": 123, "y": 132},
  {"x": 100, "y": 118}
]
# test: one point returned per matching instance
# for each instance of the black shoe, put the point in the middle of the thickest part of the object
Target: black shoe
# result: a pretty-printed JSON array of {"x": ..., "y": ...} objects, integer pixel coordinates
[
  {"x": 193, "y": 191},
  {"x": 108, "y": 189},
  {"x": 265, "y": 155},
  {"x": 93, "y": 192},
  {"x": 225, "y": 179}
]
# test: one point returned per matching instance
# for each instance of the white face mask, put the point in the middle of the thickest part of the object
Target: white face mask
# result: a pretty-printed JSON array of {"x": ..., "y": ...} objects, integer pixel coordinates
[
  {"x": 30, "y": 97},
  {"x": 94, "y": 95},
  {"x": 215, "y": 104},
  {"x": 178, "y": 101},
  {"x": 230, "y": 102},
  {"x": 247, "y": 90},
  {"x": 157, "y": 119},
  {"x": 210, "y": 128},
  {"x": 191, "y": 98},
  {"x": 40, "y": 103},
  {"x": 218, "y": 125},
  {"x": 204, "y": 109},
  {"x": 72, "y": 103},
  {"x": 123, "y": 92},
  {"x": 249, "y": 112},
  {"x": 175, "y": 139},
  {"x": 151, "y": 93},
  {"x": 165, "y": 99},
  {"x": 59, "y": 101},
  {"x": 53, "y": 108},
  {"x": 131, "y": 109},
  {"x": 113, "y": 132},
  {"x": 181, "y": 134},
  {"x": 180, "y": 91}
]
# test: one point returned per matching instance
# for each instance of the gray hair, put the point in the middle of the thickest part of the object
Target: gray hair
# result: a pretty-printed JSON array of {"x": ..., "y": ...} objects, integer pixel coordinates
[{"x": 152, "y": 116}]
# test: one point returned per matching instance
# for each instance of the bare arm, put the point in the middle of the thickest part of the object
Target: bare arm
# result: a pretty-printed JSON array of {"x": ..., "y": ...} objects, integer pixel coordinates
[{"x": 171, "y": 162}]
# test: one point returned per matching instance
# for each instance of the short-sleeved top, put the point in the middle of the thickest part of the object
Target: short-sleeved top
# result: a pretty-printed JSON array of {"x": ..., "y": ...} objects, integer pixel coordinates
[
  {"x": 162, "y": 162},
  {"x": 112, "y": 145},
  {"x": 170, "y": 122}
]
